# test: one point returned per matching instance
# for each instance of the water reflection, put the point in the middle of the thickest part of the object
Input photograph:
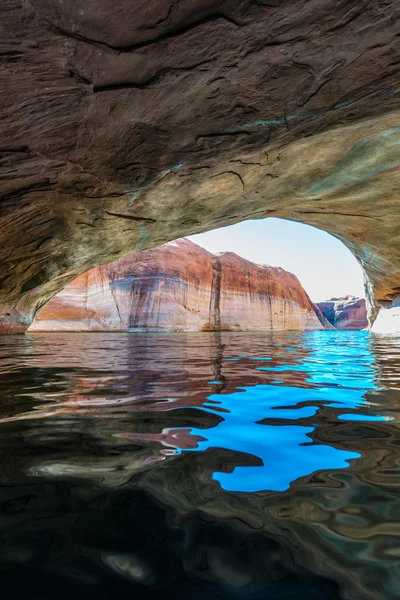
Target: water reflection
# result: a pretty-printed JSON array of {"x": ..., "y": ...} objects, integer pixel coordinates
[
  {"x": 274, "y": 425},
  {"x": 202, "y": 465}
]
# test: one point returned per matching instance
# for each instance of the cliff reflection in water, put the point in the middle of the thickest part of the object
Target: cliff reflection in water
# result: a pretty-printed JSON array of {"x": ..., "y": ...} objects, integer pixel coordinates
[{"x": 200, "y": 465}]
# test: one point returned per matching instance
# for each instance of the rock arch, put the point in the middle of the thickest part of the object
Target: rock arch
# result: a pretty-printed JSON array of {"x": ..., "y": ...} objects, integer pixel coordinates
[{"x": 125, "y": 125}]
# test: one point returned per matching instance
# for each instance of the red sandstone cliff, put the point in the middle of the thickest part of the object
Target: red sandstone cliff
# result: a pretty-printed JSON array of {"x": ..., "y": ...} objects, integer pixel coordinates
[
  {"x": 345, "y": 313},
  {"x": 181, "y": 287}
]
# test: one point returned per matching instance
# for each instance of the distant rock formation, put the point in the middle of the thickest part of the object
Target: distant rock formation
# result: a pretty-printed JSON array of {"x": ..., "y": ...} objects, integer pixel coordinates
[
  {"x": 181, "y": 287},
  {"x": 348, "y": 313}
]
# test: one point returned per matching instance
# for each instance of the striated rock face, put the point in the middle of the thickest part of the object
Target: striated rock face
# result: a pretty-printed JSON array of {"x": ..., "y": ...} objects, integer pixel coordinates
[
  {"x": 126, "y": 125},
  {"x": 181, "y": 287},
  {"x": 345, "y": 313}
]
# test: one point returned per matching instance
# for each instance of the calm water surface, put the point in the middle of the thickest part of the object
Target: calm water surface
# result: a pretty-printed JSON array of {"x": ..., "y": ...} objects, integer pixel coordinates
[{"x": 195, "y": 466}]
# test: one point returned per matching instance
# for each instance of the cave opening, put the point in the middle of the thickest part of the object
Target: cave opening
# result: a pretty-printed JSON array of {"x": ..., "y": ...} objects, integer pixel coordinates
[{"x": 257, "y": 274}]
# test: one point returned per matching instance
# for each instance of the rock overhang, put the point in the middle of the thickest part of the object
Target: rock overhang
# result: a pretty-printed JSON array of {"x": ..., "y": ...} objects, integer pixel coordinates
[{"x": 123, "y": 129}]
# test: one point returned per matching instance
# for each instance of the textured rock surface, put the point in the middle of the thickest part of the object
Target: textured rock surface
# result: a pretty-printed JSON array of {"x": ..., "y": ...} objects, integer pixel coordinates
[
  {"x": 345, "y": 313},
  {"x": 181, "y": 287},
  {"x": 125, "y": 125}
]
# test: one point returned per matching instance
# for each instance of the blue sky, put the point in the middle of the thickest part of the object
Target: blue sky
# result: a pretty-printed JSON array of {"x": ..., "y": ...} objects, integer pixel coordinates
[{"x": 325, "y": 267}]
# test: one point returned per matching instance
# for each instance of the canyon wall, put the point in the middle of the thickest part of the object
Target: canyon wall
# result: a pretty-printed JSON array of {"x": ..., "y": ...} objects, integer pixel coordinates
[
  {"x": 345, "y": 313},
  {"x": 181, "y": 287}
]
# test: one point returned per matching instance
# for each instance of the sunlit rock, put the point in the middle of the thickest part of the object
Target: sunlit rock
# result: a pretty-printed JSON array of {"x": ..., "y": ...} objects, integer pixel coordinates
[
  {"x": 345, "y": 313},
  {"x": 181, "y": 287},
  {"x": 388, "y": 319}
]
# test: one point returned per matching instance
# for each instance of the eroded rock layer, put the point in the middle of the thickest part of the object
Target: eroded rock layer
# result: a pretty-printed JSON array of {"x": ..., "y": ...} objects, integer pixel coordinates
[
  {"x": 126, "y": 125},
  {"x": 345, "y": 313},
  {"x": 181, "y": 287}
]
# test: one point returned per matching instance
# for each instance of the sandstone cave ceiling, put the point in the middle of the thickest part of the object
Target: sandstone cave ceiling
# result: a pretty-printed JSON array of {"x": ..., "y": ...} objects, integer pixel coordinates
[{"x": 127, "y": 124}]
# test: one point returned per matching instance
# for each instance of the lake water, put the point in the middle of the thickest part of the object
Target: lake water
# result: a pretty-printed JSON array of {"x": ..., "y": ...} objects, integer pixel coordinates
[{"x": 191, "y": 466}]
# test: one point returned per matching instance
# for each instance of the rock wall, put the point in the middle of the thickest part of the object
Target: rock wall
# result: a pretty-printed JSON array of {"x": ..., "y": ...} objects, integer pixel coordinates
[
  {"x": 180, "y": 287},
  {"x": 345, "y": 313}
]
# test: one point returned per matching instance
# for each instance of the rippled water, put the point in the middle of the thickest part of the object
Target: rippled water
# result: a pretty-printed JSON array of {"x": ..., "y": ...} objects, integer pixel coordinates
[{"x": 195, "y": 466}]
